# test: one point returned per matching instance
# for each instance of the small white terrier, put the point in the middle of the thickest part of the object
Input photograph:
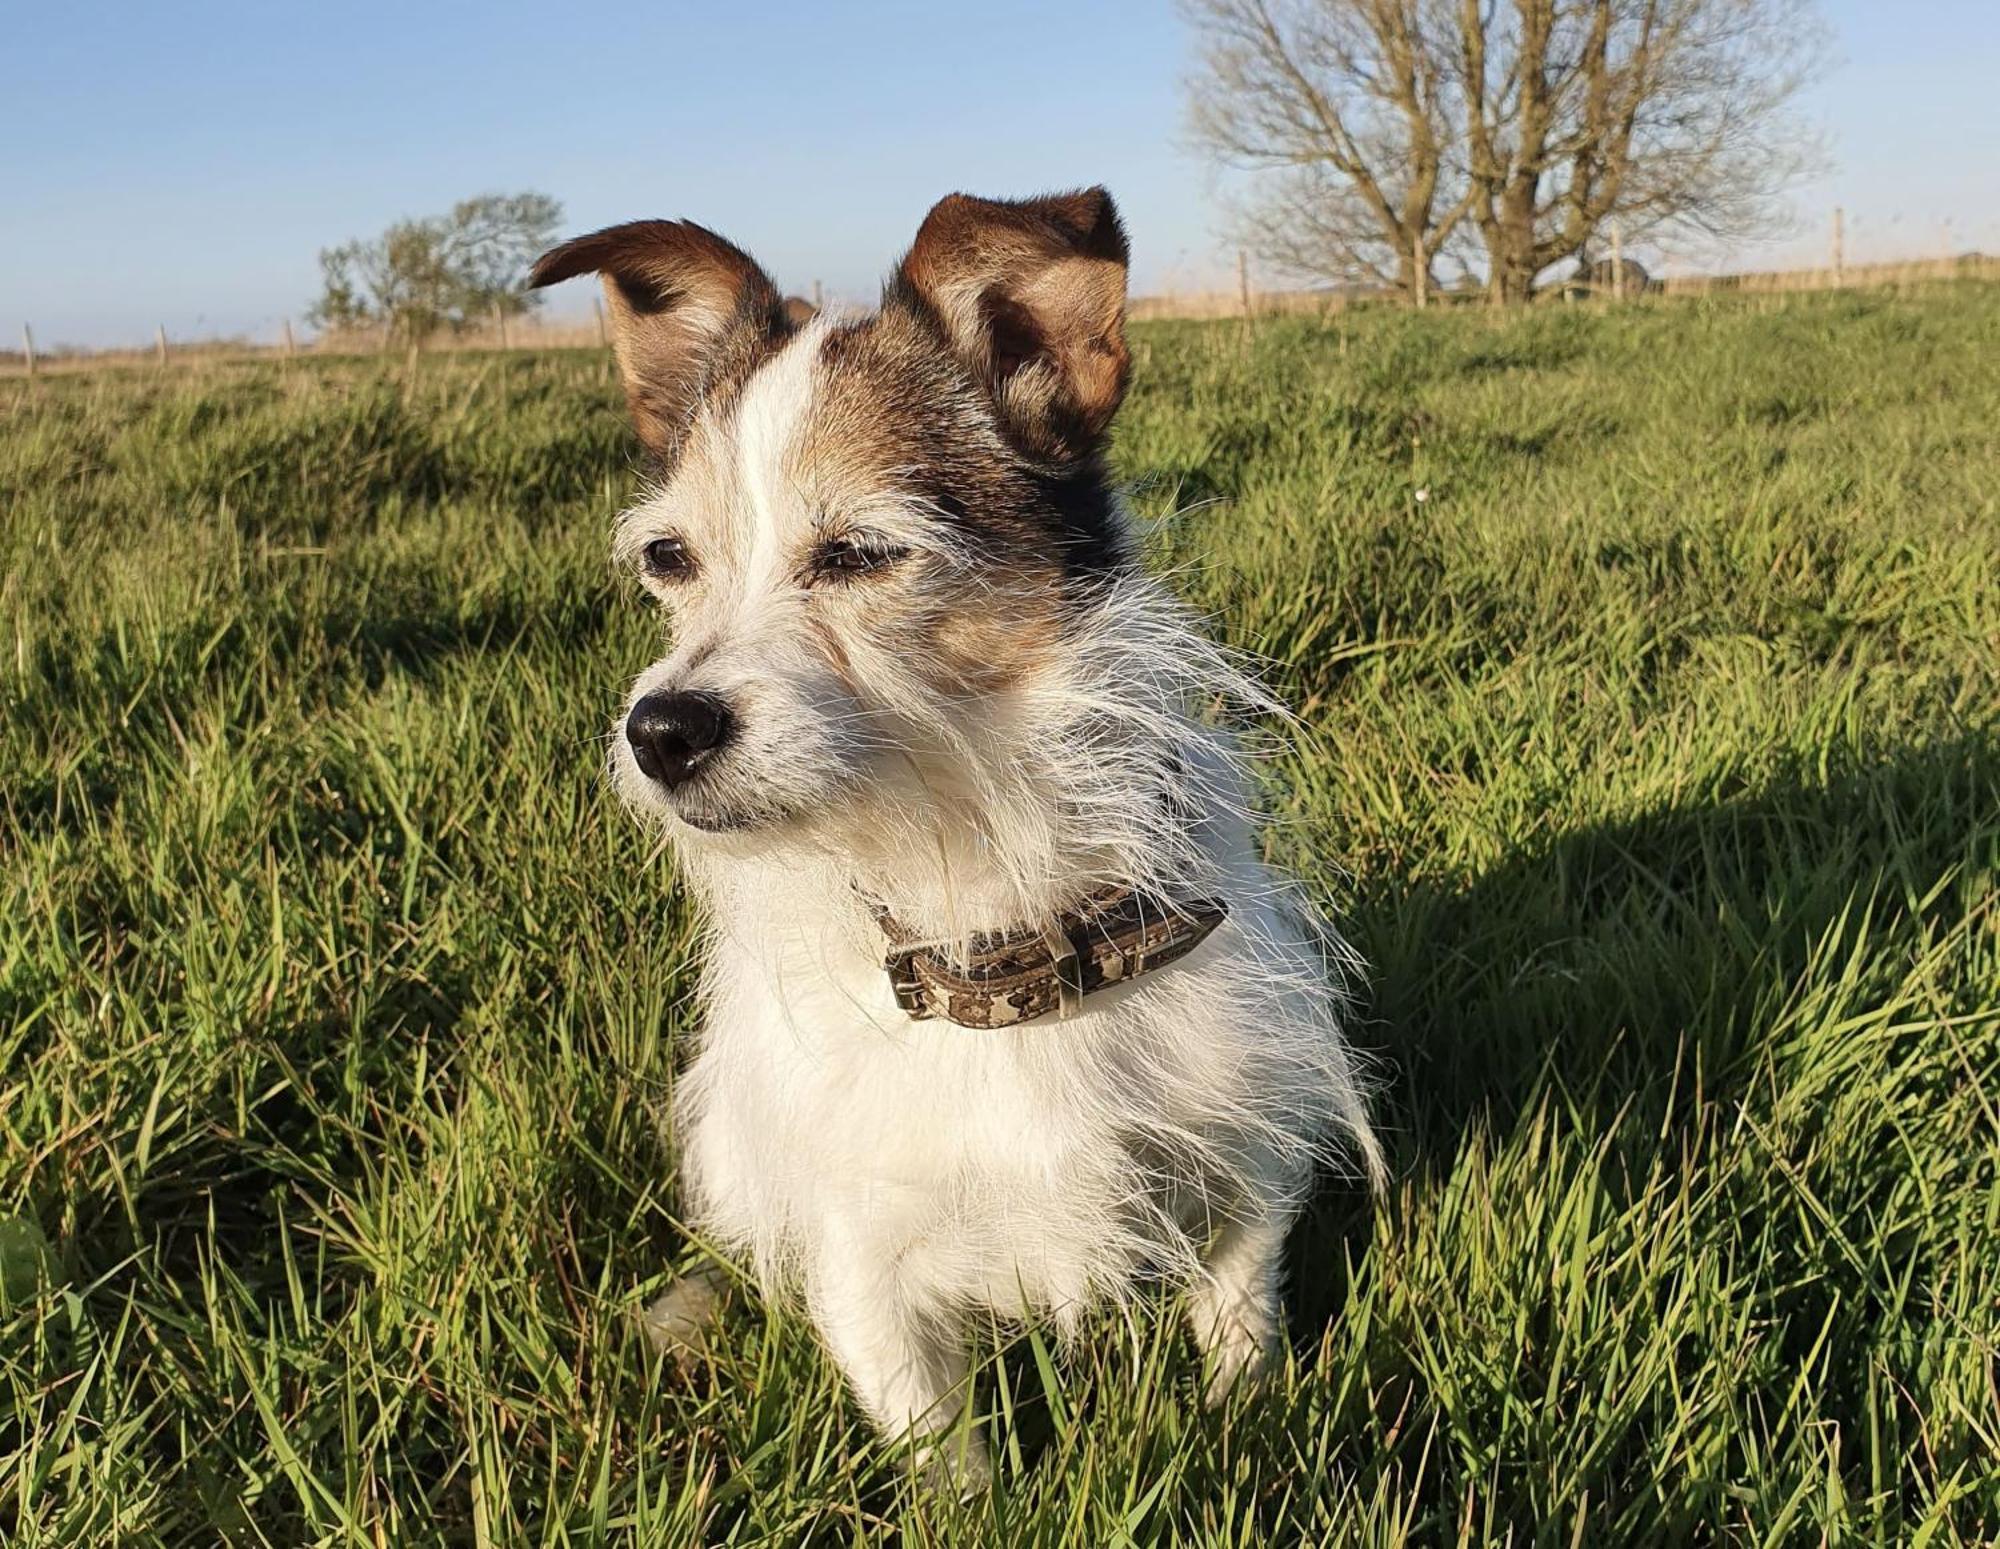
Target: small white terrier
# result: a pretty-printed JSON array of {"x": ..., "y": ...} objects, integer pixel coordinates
[{"x": 1004, "y": 1015}]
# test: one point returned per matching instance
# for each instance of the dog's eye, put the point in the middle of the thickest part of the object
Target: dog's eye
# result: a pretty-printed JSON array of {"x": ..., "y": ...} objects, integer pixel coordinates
[
  {"x": 667, "y": 558},
  {"x": 840, "y": 558}
]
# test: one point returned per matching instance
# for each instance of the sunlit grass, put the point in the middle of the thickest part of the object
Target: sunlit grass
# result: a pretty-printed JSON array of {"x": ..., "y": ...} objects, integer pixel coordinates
[{"x": 1649, "y": 663}]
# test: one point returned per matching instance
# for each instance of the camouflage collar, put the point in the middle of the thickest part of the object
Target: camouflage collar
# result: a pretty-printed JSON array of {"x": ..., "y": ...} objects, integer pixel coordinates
[{"x": 1027, "y": 971}]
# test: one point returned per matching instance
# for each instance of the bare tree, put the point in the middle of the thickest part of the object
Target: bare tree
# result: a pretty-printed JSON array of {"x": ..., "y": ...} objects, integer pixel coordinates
[
  {"x": 1344, "y": 104},
  {"x": 1391, "y": 133}
]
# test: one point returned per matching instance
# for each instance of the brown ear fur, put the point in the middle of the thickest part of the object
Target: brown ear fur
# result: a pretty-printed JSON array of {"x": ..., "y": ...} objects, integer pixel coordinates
[
  {"x": 1030, "y": 294},
  {"x": 687, "y": 309}
]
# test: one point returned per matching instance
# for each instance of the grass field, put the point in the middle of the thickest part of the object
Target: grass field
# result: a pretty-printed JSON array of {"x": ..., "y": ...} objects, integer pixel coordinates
[{"x": 1649, "y": 666}]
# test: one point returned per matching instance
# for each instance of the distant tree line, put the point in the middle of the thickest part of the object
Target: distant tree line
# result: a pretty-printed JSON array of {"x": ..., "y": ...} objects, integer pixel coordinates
[{"x": 439, "y": 273}]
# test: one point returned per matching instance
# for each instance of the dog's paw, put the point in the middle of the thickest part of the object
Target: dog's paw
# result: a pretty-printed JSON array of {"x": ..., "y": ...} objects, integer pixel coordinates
[
  {"x": 681, "y": 1324},
  {"x": 955, "y": 1466},
  {"x": 1238, "y": 1365}
]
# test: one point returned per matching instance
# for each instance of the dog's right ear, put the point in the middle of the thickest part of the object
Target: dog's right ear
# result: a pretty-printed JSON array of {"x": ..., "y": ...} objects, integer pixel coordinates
[
  {"x": 1030, "y": 295},
  {"x": 686, "y": 308}
]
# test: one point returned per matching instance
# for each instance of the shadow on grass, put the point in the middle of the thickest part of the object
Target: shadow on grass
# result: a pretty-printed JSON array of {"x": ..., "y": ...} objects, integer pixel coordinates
[
  {"x": 1628, "y": 969},
  {"x": 424, "y": 641}
]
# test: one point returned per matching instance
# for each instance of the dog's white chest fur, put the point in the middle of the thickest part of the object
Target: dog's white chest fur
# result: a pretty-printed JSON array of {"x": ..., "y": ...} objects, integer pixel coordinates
[{"x": 1034, "y": 1168}]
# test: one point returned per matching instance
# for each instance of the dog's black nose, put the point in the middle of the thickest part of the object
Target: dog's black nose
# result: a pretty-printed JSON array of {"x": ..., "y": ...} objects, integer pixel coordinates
[{"x": 673, "y": 735}]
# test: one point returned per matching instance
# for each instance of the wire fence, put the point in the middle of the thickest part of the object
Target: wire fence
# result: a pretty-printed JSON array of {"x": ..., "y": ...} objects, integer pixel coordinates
[{"x": 1626, "y": 282}]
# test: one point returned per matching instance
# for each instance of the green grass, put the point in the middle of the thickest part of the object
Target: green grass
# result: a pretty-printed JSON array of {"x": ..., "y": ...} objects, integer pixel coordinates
[{"x": 1649, "y": 661}]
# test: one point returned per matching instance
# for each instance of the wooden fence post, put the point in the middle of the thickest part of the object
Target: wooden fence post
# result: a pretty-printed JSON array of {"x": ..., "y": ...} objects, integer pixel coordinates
[
  {"x": 291, "y": 348},
  {"x": 1617, "y": 262},
  {"x": 817, "y": 295},
  {"x": 28, "y": 346},
  {"x": 1839, "y": 245},
  {"x": 500, "y": 318},
  {"x": 602, "y": 341}
]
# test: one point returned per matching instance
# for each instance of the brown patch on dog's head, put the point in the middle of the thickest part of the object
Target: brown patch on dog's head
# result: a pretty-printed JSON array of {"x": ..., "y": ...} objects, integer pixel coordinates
[
  {"x": 898, "y": 407},
  {"x": 691, "y": 317},
  {"x": 1030, "y": 296},
  {"x": 894, "y": 413}
]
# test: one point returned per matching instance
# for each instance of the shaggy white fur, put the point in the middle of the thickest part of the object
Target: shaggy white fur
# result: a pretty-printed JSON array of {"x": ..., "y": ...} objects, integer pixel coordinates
[
  {"x": 907, "y": 1176},
  {"x": 973, "y": 730}
]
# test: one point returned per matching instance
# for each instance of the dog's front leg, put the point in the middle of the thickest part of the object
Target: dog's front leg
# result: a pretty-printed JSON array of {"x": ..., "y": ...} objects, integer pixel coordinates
[
  {"x": 906, "y": 1364},
  {"x": 1233, "y": 1304}
]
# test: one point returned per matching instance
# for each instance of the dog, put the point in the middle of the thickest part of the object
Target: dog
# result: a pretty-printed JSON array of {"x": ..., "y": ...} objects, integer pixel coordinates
[{"x": 1003, "y": 1016}]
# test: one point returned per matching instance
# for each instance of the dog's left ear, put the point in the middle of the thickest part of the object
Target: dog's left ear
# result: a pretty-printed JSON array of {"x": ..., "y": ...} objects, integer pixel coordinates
[
  {"x": 686, "y": 308},
  {"x": 1030, "y": 295}
]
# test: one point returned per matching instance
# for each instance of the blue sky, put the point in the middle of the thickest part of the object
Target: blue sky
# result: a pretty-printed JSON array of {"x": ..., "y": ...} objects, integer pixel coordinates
[{"x": 183, "y": 164}]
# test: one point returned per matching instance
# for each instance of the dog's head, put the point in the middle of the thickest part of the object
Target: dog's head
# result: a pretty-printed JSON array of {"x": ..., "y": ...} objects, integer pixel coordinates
[{"x": 868, "y": 533}]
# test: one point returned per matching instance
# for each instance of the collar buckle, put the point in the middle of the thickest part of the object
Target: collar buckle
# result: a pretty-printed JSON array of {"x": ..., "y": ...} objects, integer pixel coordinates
[{"x": 1067, "y": 968}]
